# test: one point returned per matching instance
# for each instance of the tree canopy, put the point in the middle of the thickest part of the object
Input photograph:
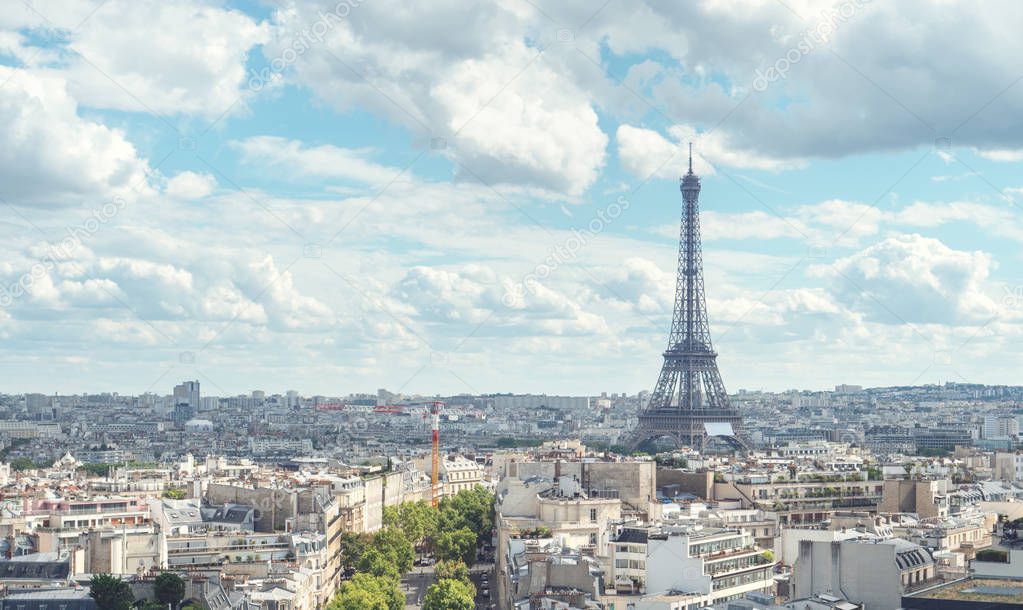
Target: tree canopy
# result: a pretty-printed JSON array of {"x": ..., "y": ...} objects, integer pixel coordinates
[
  {"x": 376, "y": 563},
  {"x": 380, "y": 559},
  {"x": 449, "y": 594},
  {"x": 368, "y": 592},
  {"x": 459, "y": 545},
  {"x": 169, "y": 588},
  {"x": 395, "y": 548},
  {"x": 417, "y": 520},
  {"x": 452, "y": 569},
  {"x": 353, "y": 546},
  {"x": 469, "y": 508},
  {"x": 110, "y": 592}
]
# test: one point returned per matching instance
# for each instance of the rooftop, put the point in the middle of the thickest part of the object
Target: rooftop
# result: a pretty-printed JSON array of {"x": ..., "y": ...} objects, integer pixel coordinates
[{"x": 1006, "y": 593}]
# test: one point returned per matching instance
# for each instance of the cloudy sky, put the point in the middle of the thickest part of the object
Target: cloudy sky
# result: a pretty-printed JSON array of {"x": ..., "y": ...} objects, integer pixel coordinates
[{"x": 475, "y": 197}]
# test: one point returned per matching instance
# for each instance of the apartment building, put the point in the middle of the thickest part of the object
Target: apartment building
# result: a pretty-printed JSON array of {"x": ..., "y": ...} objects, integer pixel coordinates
[
  {"x": 459, "y": 473},
  {"x": 874, "y": 572},
  {"x": 802, "y": 498},
  {"x": 924, "y": 498},
  {"x": 651, "y": 564},
  {"x": 1008, "y": 466}
]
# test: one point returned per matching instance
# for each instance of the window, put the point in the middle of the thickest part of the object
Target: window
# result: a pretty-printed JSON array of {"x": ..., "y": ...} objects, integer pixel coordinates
[{"x": 593, "y": 515}]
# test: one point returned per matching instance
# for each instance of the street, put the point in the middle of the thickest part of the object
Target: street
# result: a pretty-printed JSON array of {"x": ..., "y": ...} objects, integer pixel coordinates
[
  {"x": 414, "y": 585},
  {"x": 476, "y": 575}
]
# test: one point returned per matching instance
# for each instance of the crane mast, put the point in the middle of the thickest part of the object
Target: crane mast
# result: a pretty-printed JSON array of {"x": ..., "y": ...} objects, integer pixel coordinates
[{"x": 435, "y": 471}]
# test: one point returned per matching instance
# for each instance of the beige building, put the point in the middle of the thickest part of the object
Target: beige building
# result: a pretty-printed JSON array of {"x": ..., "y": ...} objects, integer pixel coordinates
[
  {"x": 924, "y": 498},
  {"x": 805, "y": 499},
  {"x": 458, "y": 473},
  {"x": 1008, "y": 466}
]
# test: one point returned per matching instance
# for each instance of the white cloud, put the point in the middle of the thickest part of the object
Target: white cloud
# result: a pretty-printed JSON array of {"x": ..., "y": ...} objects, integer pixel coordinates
[
  {"x": 50, "y": 154},
  {"x": 1004, "y": 154},
  {"x": 916, "y": 279},
  {"x": 184, "y": 57},
  {"x": 520, "y": 122},
  {"x": 757, "y": 224},
  {"x": 190, "y": 185},
  {"x": 292, "y": 158},
  {"x": 644, "y": 152},
  {"x": 856, "y": 93},
  {"x": 474, "y": 295},
  {"x": 507, "y": 115}
]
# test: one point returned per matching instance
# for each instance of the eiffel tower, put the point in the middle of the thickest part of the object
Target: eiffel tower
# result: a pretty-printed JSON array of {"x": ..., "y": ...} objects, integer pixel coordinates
[{"x": 689, "y": 403}]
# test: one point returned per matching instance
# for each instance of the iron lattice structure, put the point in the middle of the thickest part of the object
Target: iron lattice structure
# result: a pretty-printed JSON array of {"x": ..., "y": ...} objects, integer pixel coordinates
[{"x": 689, "y": 393}]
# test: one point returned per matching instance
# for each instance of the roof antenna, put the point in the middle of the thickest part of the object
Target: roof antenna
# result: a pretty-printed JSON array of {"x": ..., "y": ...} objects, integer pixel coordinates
[{"x": 690, "y": 157}]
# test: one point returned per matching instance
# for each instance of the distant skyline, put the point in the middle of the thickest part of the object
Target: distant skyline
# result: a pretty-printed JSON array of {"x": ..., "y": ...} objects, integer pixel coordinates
[
  {"x": 341, "y": 394},
  {"x": 369, "y": 194}
]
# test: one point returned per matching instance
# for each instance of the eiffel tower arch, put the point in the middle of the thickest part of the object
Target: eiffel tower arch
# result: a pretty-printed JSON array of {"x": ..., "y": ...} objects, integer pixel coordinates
[{"x": 689, "y": 404}]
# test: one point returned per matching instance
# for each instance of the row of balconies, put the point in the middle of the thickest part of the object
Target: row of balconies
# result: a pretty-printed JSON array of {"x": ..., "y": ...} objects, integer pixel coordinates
[{"x": 736, "y": 565}]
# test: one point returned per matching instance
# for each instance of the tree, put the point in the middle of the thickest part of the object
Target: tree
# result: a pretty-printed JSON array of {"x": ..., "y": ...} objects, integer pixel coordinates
[
  {"x": 456, "y": 570},
  {"x": 368, "y": 592},
  {"x": 352, "y": 548},
  {"x": 24, "y": 463},
  {"x": 395, "y": 547},
  {"x": 459, "y": 545},
  {"x": 110, "y": 592},
  {"x": 377, "y": 564},
  {"x": 449, "y": 594},
  {"x": 99, "y": 470},
  {"x": 469, "y": 508},
  {"x": 169, "y": 589},
  {"x": 417, "y": 520}
]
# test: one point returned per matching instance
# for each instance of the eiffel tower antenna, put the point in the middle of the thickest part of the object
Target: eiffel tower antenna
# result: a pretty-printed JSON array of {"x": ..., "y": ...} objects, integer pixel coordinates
[{"x": 689, "y": 402}]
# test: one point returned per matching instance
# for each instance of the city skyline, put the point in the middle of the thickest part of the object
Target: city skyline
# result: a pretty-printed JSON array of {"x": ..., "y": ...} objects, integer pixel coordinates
[{"x": 354, "y": 196}]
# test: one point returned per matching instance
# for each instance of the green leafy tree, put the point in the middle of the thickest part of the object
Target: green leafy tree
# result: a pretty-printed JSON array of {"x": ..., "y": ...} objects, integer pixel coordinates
[
  {"x": 110, "y": 592},
  {"x": 459, "y": 545},
  {"x": 456, "y": 570},
  {"x": 469, "y": 508},
  {"x": 175, "y": 494},
  {"x": 377, "y": 564},
  {"x": 24, "y": 463},
  {"x": 449, "y": 594},
  {"x": 169, "y": 588},
  {"x": 99, "y": 470},
  {"x": 395, "y": 547},
  {"x": 417, "y": 520},
  {"x": 152, "y": 604},
  {"x": 353, "y": 546},
  {"x": 368, "y": 592}
]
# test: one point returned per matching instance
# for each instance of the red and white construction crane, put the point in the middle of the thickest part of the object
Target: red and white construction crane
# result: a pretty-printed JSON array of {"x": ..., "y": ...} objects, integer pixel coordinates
[
  {"x": 435, "y": 455},
  {"x": 435, "y": 406}
]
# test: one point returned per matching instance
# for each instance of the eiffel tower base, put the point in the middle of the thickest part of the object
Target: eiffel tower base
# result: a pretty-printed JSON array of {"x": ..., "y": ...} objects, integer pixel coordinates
[{"x": 686, "y": 428}]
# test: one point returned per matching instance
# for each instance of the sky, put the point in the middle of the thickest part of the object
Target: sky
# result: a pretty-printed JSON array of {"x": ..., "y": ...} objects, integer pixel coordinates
[{"x": 474, "y": 197}]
